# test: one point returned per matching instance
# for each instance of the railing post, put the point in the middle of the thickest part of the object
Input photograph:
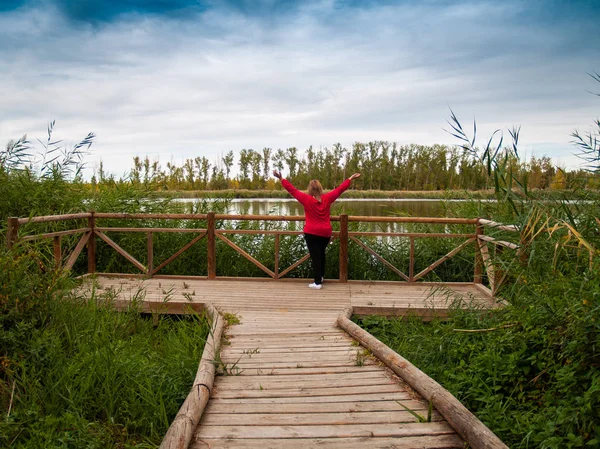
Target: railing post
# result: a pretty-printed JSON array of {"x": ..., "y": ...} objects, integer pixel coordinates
[
  {"x": 344, "y": 248},
  {"x": 276, "y": 267},
  {"x": 12, "y": 234},
  {"x": 211, "y": 246},
  {"x": 91, "y": 244},
  {"x": 150, "y": 254},
  {"x": 411, "y": 261},
  {"x": 478, "y": 275},
  {"x": 57, "y": 251}
]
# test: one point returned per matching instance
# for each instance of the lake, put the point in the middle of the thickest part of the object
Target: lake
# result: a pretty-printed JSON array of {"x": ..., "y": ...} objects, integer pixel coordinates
[{"x": 364, "y": 207}]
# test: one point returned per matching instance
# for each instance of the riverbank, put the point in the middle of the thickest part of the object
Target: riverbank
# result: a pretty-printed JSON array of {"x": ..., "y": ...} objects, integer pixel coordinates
[{"x": 378, "y": 194}]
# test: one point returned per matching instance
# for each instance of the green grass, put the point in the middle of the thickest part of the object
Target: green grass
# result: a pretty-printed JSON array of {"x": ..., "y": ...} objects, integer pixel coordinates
[{"x": 83, "y": 374}]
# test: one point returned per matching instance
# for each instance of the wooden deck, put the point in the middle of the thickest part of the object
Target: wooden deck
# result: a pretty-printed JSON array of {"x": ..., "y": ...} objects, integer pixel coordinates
[
  {"x": 290, "y": 378},
  {"x": 235, "y": 296}
]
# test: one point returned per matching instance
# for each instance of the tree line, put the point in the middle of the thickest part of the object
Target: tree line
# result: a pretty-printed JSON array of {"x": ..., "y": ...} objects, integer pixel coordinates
[{"x": 384, "y": 166}]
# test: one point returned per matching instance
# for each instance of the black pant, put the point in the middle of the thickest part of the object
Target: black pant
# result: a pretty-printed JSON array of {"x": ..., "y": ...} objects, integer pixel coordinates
[{"x": 316, "y": 247}]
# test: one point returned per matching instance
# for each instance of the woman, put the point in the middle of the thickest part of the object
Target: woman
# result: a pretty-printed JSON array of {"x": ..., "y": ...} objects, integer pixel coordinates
[{"x": 317, "y": 227}]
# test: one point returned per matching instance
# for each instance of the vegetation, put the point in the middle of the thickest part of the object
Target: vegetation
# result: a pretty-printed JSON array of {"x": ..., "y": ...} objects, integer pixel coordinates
[
  {"x": 531, "y": 370},
  {"x": 73, "y": 372},
  {"x": 385, "y": 166}
]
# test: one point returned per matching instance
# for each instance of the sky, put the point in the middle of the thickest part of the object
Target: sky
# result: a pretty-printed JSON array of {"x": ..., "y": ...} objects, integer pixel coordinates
[{"x": 186, "y": 78}]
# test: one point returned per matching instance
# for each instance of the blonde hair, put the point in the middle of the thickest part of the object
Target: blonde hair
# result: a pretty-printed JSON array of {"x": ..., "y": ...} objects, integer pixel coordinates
[{"x": 315, "y": 189}]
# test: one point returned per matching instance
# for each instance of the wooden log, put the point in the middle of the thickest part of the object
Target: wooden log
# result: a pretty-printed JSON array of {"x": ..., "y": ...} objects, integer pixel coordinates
[
  {"x": 443, "y": 259},
  {"x": 54, "y": 234},
  {"x": 475, "y": 433},
  {"x": 75, "y": 254},
  {"x": 12, "y": 233},
  {"x": 91, "y": 245},
  {"x": 178, "y": 253},
  {"x": 49, "y": 218},
  {"x": 211, "y": 253},
  {"x": 121, "y": 251},
  {"x": 184, "y": 425},
  {"x": 57, "y": 252},
  {"x": 343, "y": 248},
  {"x": 381, "y": 259},
  {"x": 245, "y": 255}
]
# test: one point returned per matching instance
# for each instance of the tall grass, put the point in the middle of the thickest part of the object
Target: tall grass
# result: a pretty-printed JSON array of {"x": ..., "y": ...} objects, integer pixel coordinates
[{"x": 76, "y": 373}]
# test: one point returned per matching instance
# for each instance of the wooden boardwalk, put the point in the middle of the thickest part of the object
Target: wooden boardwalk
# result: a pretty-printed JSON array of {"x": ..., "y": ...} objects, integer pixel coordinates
[{"x": 290, "y": 378}]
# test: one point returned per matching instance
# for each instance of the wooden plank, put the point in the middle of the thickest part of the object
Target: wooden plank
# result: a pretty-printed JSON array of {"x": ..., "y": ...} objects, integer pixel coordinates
[
  {"x": 248, "y": 407},
  {"x": 356, "y": 430},
  {"x": 301, "y": 379},
  {"x": 422, "y": 442},
  {"x": 245, "y": 254},
  {"x": 128, "y": 216},
  {"x": 181, "y": 250},
  {"x": 276, "y": 268},
  {"x": 266, "y": 384},
  {"x": 243, "y": 365},
  {"x": 311, "y": 419},
  {"x": 75, "y": 254},
  {"x": 305, "y": 393},
  {"x": 381, "y": 259},
  {"x": 308, "y": 370},
  {"x": 121, "y": 251}
]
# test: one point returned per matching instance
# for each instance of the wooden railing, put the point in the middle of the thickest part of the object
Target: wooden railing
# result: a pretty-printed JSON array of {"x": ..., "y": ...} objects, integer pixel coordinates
[{"x": 483, "y": 259}]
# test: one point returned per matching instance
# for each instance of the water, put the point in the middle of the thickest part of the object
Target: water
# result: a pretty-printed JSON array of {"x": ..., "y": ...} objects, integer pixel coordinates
[{"x": 363, "y": 207}]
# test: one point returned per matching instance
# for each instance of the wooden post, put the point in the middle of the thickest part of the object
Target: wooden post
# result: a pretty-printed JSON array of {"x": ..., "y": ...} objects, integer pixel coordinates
[
  {"x": 478, "y": 275},
  {"x": 91, "y": 244},
  {"x": 57, "y": 251},
  {"x": 344, "y": 248},
  {"x": 276, "y": 268},
  {"x": 211, "y": 253},
  {"x": 12, "y": 234},
  {"x": 150, "y": 254},
  {"x": 411, "y": 262}
]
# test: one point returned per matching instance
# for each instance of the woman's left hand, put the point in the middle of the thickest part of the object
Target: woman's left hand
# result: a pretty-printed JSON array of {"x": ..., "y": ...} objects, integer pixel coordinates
[
  {"x": 277, "y": 174},
  {"x": 354, "y": 176}
]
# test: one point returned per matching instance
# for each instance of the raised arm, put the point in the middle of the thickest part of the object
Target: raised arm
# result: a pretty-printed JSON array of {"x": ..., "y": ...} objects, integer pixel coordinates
[
  {"x": 335, "y": 193},
  {"x": 300, "y": 196}
]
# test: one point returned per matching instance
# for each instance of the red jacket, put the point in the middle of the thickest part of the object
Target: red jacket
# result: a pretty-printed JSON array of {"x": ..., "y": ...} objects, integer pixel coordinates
[{"x": 317, "y": 212}]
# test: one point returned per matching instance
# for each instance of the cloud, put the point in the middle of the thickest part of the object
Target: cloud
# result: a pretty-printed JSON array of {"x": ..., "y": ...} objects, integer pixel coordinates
[{"x": 222, "y": 77}]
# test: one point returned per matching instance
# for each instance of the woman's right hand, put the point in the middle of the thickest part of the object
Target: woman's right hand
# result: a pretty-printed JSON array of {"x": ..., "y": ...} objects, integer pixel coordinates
[
  {"x": 277, "y": 174},
  {"x": 354, "y": 176}
]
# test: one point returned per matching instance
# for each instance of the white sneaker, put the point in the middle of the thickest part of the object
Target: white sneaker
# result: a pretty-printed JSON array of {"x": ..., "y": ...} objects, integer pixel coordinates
[{"x": 315, "y": 286}]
